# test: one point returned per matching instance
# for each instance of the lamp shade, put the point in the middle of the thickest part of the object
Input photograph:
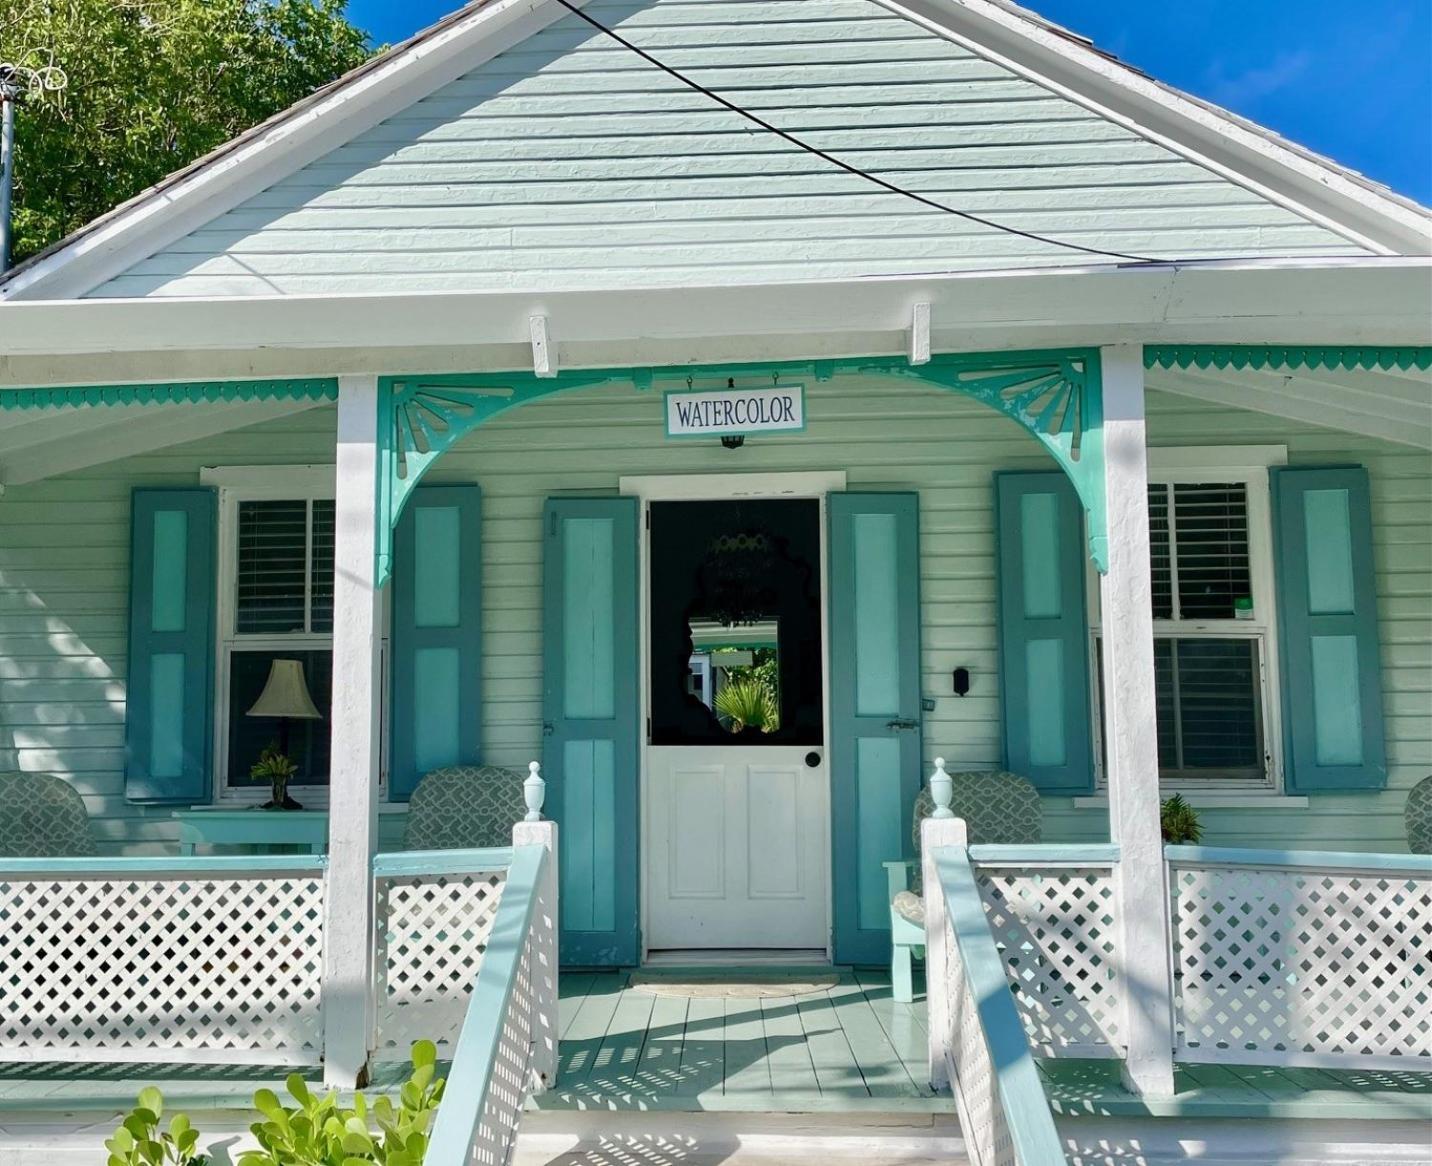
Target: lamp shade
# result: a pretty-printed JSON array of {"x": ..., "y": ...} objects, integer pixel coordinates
[{"x": 285, "y": 694}]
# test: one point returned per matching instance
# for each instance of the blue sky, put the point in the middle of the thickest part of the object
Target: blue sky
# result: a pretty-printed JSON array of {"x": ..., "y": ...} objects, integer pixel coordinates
[{"x": 1350, "y": 80}]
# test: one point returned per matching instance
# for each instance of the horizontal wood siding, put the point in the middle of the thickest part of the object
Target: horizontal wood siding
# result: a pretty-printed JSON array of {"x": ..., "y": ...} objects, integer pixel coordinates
[
  {"x": 570, "y": 162},
  {"x": 64, "y": 547}
]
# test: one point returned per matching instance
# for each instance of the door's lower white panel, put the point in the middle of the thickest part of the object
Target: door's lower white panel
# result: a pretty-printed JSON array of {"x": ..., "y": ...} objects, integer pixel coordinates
[{"x": 737, "y": 851}]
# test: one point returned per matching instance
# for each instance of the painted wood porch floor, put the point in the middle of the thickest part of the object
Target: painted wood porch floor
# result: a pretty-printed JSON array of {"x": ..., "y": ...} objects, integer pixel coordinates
[{"x": 848, "y": 1047}]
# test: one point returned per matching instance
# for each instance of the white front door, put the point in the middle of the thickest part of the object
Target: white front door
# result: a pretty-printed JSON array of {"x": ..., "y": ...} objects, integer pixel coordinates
[
  {"x": 737, "y": 853},
  {"x": 736, "y": 791}
]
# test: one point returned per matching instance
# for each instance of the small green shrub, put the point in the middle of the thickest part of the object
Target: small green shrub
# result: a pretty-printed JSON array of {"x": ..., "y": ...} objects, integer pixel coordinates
[
  {"x": 747, "y": 704},
  {"x": 1179, "y": 821},
  {"x": 139, "y": 1141},
  {"x": 318, "y": 1132}
]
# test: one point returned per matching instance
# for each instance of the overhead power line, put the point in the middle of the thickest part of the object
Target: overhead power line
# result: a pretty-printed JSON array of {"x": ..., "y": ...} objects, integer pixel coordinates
[{"x": 840, "y": 163}]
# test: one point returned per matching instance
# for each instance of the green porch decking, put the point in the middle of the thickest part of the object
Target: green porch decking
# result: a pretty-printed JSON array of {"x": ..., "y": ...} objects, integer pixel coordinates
[{"x": 848, "y": 1047}]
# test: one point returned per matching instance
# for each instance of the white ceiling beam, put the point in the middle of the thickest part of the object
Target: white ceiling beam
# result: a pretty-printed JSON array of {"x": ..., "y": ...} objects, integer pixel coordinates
[
  {"x": 544, "y": 353},
  {"x": 1314, "y": 391},
  {"x": 1294, "y": 407},
  {"x": 920, "y": 334},
  {"x": 1356, "y": 302},
  {"x": 136, "y": 429}
]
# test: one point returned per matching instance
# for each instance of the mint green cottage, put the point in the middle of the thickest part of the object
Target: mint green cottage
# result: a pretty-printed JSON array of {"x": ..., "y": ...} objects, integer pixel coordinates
[{"x": 1106, "y": 462}]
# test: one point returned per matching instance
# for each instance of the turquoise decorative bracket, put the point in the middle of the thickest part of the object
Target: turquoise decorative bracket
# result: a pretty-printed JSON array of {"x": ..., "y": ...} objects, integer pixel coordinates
[
  {"x": 195, "y": 392},
  {"x": 1257, "y": 356},
  {"x": 1055, "y": 395}
]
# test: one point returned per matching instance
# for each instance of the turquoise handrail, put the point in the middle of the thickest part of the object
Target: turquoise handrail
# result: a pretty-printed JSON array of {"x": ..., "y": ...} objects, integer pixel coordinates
[
  {"x": 154, "y": 866},
  {"x": 410, "y": 863},
  {"x": 1324, "y": 860},
  {"x": 1020, "y": 1093},
  {"x": 470, "y": 1078}
]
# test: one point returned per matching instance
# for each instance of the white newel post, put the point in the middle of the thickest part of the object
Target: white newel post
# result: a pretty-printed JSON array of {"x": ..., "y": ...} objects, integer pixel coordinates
[
  {"x": 534, "y": 830},
  {"x": 348, "y": 1005},
  {"x": 1130, "y": 732},
  {"x": 941, "y": 828}
]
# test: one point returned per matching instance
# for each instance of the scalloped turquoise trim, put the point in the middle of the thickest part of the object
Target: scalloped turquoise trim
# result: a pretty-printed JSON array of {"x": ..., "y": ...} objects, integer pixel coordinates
[
  {"x": 1257, "y": 356},
  {"x": 1055, "y": 395},
  {"x": 196, "y": 392}
]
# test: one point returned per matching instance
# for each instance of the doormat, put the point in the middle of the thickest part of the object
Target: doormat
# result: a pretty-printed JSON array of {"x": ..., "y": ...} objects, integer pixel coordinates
[{"x": 718, "y": 987}]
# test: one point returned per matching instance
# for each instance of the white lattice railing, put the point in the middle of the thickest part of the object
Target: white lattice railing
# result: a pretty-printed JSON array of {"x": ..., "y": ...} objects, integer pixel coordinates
[
  {"x": 1051, "y": 911},
  {"x": 1289, "y": 958},
  {"x": 435, "y": 912},
  {"x": 1004, "y": 1114},
  {"x": 507, "y": 1049},
  {"x": 161, "y": 959}
]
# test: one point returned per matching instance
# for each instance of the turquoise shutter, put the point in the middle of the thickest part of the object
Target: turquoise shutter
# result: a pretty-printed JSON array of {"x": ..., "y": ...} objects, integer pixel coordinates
[
  {"x": 590, "y": 750},
  {"x": 169, "y": 709},
  {"x": 875, "y": 755},
  {"x": 1043, "y": 631},
  {"x": 436, "y": 639},
  {"x": 1327, "y": 620}
]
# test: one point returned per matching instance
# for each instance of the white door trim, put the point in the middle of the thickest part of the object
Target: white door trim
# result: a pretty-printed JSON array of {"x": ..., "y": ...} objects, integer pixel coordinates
[
  {"x": 712, "y": 488},
  {"x": 715, "y": 487}
]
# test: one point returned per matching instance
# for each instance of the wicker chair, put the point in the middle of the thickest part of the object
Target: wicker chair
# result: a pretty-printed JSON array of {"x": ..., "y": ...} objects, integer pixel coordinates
[
  {"x": 998, "y": 808},
  {"x": 464, "y": 806},
  {"x": 1418, "y": 817},
  {"x": 43, "y": 817}
]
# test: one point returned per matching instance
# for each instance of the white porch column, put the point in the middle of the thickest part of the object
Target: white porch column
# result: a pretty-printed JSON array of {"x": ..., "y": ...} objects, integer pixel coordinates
[
  {"x": 348, "y": 1014},
  {"x": 1130, "y": 734}
]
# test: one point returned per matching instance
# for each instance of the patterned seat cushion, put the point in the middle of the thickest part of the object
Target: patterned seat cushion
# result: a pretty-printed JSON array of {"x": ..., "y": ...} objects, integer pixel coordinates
[
  {"x": 464, "y": 806},
  {"x": 42, "y": 816},
  {"x": 1418, "y": 817},
  {"x": 998, "y": 808}
]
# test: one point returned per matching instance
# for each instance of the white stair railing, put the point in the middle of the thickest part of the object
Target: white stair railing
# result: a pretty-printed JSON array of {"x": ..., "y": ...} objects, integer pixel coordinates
[
  {"x": 1004, "y": 1113},
  {"x": 507, "y": 1049}
]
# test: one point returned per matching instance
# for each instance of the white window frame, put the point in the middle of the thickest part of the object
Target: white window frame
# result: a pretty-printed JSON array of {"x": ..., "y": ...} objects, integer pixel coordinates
[
  {"x": 237, "y": 484},
  {"x": 1248, "y": 465}
]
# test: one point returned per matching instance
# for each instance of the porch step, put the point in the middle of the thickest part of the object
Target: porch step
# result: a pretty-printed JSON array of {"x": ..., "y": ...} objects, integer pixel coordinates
[{"x": 738, "y": 1139}]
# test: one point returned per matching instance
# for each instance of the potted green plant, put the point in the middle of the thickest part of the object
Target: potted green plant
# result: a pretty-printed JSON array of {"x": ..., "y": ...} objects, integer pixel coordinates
[
  {"x": 278, "y": 770},
  {"x": 1179, "y": 821}
]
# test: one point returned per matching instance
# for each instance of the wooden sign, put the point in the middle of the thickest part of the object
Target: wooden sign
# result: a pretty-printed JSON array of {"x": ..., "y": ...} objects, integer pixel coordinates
[{"x": 722, "y": 412}]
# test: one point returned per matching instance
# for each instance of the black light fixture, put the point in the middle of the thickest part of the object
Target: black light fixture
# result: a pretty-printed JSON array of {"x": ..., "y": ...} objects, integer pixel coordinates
[
  {"x": 732, "y": 440},
  {"x": 962, "y": 681}
]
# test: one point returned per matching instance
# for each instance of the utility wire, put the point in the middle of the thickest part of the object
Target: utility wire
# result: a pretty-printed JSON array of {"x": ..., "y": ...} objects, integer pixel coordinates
[{"x": 838, "y": 162}]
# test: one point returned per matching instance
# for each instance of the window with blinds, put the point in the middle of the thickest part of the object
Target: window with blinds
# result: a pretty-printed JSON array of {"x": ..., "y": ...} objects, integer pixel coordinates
[
  {"x": 1209, "y": 639},
  {"x": 282, "y": 610},
  {"x": 1208, "y": 672},
  {"x": 284, "y": 581},
  {"x": 1199, "y": 549}
]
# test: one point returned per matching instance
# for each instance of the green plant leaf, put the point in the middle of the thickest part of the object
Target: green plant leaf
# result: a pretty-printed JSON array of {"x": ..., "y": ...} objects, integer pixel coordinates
[
  {"x": 116, "y": 1160},
  {"x": 138, "y": 1124},
  {"x": 298, "y": 1090},
  {"x": 151, "y": 1099},
  {"x": 422, "y": 1077},
  {"x": 424, "y": 1053},
  {"x": 267, "y": 1103}
]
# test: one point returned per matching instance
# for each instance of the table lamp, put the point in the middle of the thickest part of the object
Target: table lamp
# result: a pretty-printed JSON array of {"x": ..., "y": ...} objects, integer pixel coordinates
[{"x": 285, "y": 696}]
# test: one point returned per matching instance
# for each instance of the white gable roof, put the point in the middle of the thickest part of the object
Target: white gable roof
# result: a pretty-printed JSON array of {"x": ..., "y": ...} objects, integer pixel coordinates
[{"x": 513, "y": 146}]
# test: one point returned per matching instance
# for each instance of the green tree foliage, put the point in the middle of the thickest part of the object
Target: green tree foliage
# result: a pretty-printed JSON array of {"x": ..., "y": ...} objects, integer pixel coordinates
[{"x": 152, "y": 85}]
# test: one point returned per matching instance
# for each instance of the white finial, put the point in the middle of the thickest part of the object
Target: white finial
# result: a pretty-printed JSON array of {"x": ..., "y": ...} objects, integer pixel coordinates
[
  {"x": 534, "y": 792},
  {"x": 942, "y": 790}
]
